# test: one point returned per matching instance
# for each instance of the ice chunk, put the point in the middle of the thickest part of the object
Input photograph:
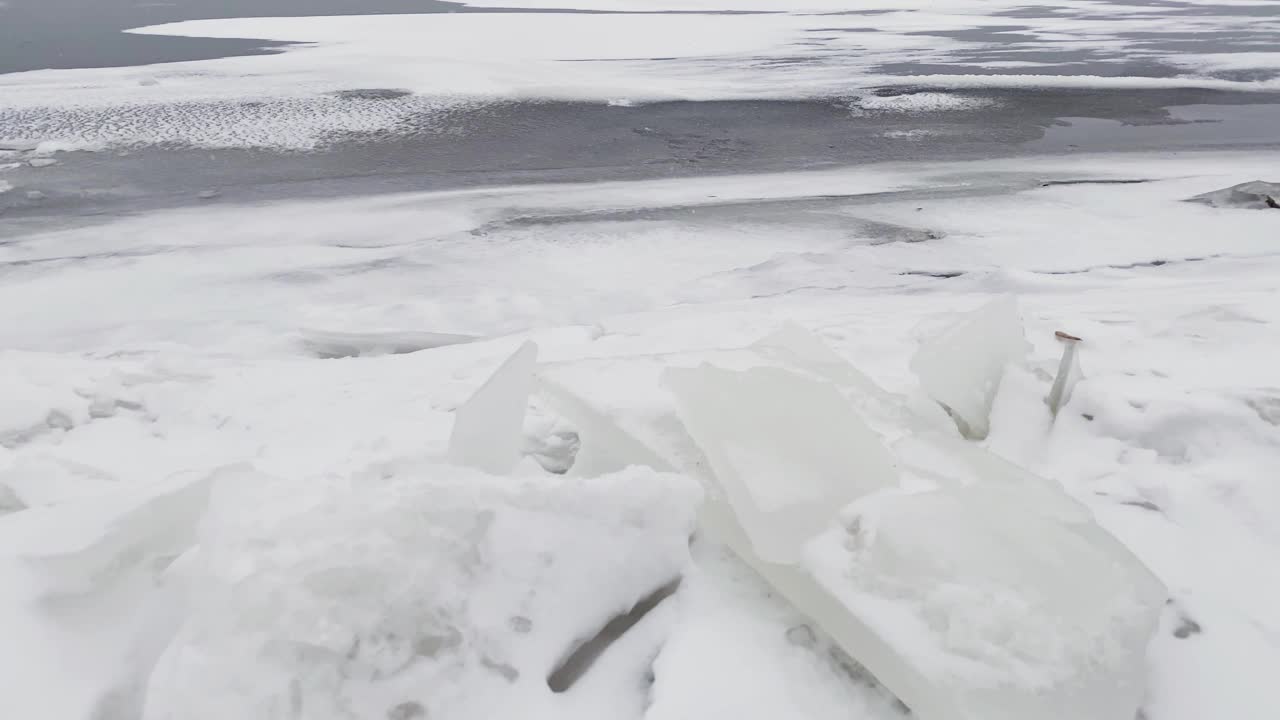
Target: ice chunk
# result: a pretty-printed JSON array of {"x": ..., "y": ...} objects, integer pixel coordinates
[
  {"x": 946, "y": 461},
  {"x": 795, "y": 347},
  {"x": 603, "y": 446},
  {"x": 82, "y": 546},
  {"x": 787, "y": 452},
  {"x": 1256, "y": 195},
  {"x": 413, "y": 586},
  {"x": 986, "y": 604},
  {"x": 961, "y": 368},
  {"x": 625, "y": 415},
  {"x": 622, "y": 412},
  {"x": 488, "y": 427},
  {"x": 9, "y": 500}
]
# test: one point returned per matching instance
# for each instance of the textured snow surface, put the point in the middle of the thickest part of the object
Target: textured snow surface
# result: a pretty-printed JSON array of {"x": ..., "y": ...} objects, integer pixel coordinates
[
  {"x": 419, "y": 67},
  {"x": 222, "y": 519}
]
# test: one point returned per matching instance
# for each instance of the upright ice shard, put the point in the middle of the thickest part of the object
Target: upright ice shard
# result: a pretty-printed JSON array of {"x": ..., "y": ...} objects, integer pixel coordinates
[
  {"x": 9, "y": 500},
  {"x": 487, "y": 428},
  {"x": 1069, "y": 373},
  {"x": 787, "y": 452},
  {"x": 986, "y": 604},
  {"x": 962, "y": 367}
]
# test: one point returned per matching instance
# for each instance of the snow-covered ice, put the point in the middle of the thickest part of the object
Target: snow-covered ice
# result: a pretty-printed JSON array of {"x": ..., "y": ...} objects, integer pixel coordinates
[
  {"x": 993, "y": 605},
  {"x": 786, "y": 450},
  {"x": 152, "y": 358},
  {"x": 1255, "y": 195}
]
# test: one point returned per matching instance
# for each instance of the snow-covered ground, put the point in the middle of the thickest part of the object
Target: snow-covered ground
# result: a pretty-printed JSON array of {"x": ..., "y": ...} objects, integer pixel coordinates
[{"x": 154, "y": 361}]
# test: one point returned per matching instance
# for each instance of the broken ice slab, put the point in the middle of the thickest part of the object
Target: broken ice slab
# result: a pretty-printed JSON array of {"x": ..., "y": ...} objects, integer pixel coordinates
[
  {"x": 416, "y": 585},
  {"x": 1256, "y": 195},
  {"x": 961, "y": 368},
  {"x": 623, "y": 413},
  {"x": 948, "y": 461},
  {"x": 796, "y": 347},
  {"x": 488, "y": 427},
  {"x": 787, "y": 451},
  {"x": 742, "y": 434},
  {"x": 80, "y": 546},
  {"x": 990, "y": 606},
  {"x": 604, "y": 446}
]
